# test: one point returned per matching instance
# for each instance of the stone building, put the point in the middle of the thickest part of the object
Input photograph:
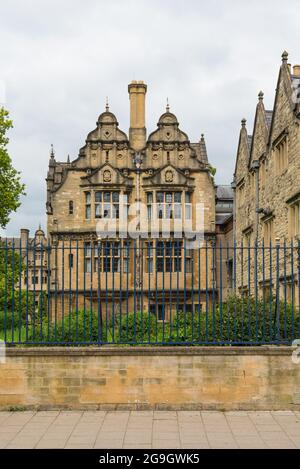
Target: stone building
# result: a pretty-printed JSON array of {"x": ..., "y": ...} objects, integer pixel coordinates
[
  {"x": 166, "y": 176},
  {"x": 34, "y": 261},
  {"x": 267, "y": 192}
]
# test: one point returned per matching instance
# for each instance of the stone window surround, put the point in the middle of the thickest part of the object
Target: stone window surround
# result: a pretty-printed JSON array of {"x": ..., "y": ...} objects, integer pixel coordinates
[
  {"x": 294, "y": 215},
  {"x": 280, "y": 151}
]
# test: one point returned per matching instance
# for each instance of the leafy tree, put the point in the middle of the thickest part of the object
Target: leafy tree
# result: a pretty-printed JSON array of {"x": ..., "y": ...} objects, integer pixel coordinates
[
  {"x": 11, "y": 187},
  {"x": 212, "y": 171}
]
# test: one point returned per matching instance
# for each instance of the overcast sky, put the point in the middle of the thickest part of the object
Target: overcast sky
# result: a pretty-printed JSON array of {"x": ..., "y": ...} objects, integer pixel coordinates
[{"x": 60, "y": 59}]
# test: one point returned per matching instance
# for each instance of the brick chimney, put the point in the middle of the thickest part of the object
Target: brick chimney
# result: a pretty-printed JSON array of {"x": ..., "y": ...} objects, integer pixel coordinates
[
  {"x": 24, "y": 237},
  {"x": 137, "y": 132}
]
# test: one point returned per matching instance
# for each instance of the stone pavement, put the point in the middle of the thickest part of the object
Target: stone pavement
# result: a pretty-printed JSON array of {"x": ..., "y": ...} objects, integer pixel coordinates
[{"x": 149, "y": 429}]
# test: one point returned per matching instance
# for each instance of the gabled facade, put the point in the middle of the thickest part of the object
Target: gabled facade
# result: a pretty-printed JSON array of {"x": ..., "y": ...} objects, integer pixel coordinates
[
  {"x": 267, "y": 185},
  {"x": 166, "y": 174}
]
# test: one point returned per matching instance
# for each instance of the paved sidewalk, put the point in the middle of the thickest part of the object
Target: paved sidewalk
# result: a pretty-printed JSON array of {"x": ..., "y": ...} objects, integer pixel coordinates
[{"x": 99, "y": 429}]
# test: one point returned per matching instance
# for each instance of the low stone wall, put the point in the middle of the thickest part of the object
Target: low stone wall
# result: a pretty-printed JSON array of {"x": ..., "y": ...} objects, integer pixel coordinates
[{"x": 220, "y": 378}]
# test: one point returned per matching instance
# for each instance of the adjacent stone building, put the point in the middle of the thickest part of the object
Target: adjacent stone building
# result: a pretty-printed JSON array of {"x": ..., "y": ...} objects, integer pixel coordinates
[
  {"x": 267, "y": 193},
  {"x": 34, "y": 261}
]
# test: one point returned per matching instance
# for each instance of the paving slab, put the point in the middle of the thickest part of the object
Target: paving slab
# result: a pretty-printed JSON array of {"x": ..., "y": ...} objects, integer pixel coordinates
[{"x": 150, "y": 429}]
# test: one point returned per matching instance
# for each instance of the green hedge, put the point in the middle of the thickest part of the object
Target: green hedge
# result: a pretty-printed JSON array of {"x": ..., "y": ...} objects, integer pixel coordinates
[{"x": 236, "y": 321}]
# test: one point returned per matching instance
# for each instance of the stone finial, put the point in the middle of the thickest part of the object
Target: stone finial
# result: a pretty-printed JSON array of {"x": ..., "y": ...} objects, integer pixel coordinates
[
  {"x": 243, "y": 122},
  {"x": 167, "y": 106},
  {"x": 106, "y": 105},
  {"x": 202, "y": 137},
  {"x": 260, "y": 96},
  {"x": 52, "y": 155},
  {"x": 68, "y": 159},
  {"x": 285, "y": 57}
]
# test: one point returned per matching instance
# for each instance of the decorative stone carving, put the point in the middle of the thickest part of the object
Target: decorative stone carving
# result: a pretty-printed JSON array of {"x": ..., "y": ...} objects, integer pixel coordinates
[
  {"x": 106, "y": 176},
  {"x": 155, "y": 156},
  {"x": 169, "y": 176}
]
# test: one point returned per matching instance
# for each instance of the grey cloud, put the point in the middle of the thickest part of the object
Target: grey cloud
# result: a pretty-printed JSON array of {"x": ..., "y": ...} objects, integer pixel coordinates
[{"x": 60, "y": 60}]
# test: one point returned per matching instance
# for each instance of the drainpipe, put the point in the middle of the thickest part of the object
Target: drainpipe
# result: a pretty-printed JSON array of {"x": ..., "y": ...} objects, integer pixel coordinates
[
  {"x": 233, "y": 186},
  {"x": 255, "y": 167}
]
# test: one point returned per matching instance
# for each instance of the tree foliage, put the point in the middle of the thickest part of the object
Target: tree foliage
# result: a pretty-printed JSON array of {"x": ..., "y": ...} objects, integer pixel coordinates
[{"x": 11, "y": 187}]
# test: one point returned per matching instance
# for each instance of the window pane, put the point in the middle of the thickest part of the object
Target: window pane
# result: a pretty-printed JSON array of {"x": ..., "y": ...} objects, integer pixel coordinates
[
  {"x": 177, "y": 264},
  {"x": 98, "y": 196},
  {"x": 115, "y": 249},
  {"x": 168, "y": 197},
  {"x": 116, "y": 262},
  {"x": 88, "y": 211},
  {"x": 106, "y": 212},
  {"x": 98, "y": 211},
  {"x": 177, "y": 211},
  {"x": 87, "y": 249},
  {"x": 159, "y": 197},
  {"x": 169, "y": 211},
  {"x": 87, "y": 197},
  {"x": 159, "y": 263},
  {"x": 188, "y": 211},
  {"x": 126, "y": 249},
  {"x": 160, "y": 248},
  {"x": 177, "y": 249},
  {"x": 187, "y": 197},
  {"x": 88, "y": 264},
  {"x": 106, "y": 250},
  {"x": 168, "y": 264},
  {"x": 149, "y": 251},
  {"x": 169, "y": 248},
  {"x": 115, "y": 196},
  {"x": 177, "y": 196},
  {"x": 149, "y": 212},
  {"x": 160, "y": 212},
  {"x": 106, "y": 197},
  {"x": 149, "y": 197},
  {"x": 116, "y": 211},
  {"x": 149, "y": 265}
]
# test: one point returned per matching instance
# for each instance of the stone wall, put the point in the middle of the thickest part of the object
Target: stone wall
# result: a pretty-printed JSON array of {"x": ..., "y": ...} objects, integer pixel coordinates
[{"x": 150, "y": 378}]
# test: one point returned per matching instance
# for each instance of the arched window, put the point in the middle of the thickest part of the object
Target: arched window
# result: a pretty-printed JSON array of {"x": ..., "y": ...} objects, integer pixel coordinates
[{"x": 71, "y": 207}]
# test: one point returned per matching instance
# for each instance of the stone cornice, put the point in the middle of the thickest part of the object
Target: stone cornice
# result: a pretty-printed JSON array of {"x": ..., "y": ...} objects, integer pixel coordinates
[{"x": 157, "y": 351}]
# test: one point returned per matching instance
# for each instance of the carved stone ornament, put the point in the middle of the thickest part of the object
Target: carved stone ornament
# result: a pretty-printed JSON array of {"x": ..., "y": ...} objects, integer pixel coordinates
[
  {"x": 155, "y": 156},
  {"x": 106, "y": 176},
  {"x": 120, "y": 156},
  {"x": 169, "y": 176},
  {"x": 180, "y": 157}
]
